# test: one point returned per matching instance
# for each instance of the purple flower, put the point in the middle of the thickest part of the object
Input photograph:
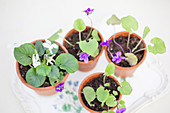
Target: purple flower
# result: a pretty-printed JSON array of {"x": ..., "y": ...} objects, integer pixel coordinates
[
  {"x": 121, "y": 110},
  {"x": 117, "y": 58},
  {"x": 60, "y": 87},
  {"x": 105, "y": 43},
  {"x": 88, "y": 11},
  {"x": 84, "y": 56}
]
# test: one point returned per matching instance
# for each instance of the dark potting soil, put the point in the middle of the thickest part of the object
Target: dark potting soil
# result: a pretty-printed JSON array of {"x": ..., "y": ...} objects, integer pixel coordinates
[
  {"x": 123, "y": 42},
  {"x": 73, "y": 38},
  {"x": 23, "y": 69},
  {"x": 95, "y": 83}
]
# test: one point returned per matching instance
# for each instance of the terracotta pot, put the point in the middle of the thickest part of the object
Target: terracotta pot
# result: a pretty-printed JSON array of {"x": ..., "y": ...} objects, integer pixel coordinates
[
  {"x": 92, "y": 63},
  {"x": 126, "y": 71},
  {"x": 45, "y": 91},
  {"x": 83, "y": 83}
]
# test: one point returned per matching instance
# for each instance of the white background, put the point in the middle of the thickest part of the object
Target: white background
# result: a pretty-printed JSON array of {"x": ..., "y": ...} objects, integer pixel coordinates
[{"x": 27, "y": 20}]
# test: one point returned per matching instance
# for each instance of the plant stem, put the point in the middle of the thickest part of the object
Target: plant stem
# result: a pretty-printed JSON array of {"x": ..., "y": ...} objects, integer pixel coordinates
[
  {"x": 137, "y": 45},
  {"x": 140, "y": 50},
  {"x": 30, "y": 65},
  {"x": 128, "y": 41},
  {"x": 104, "y": 79},
  {"x": 109, "y": 52},
  {"x": 44, "y": 60},
  {"x": 116, "y": 42},
  {"x": 67, "y": 41},
  {"x": 130, "y": 50},
  {"x": 79, "y": 36},
  {"x": 79, "y": 53},
  {"x": 91, "y": 27}
]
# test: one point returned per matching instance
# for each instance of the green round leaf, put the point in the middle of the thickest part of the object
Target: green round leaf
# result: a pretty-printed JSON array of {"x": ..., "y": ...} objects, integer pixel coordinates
[
  {"x": 107, "y": 84},
  {"x": 115, "y": 93},
  {"x": 54, "y": 72},
  {"x": 125, "y": 88},
  {"x": 55, "y": 50},
  {"x": 102, "y": 95},
  {"x": 34, "y": 79},
  {"x": 23, "y": 54},
  {"x": 120, "y": 107},
  {"x": 67, "y": 62},
  {"x": 40, "y": 48},
  {"x": 55, "y": 36},
  {"x": 61, "y": 78},
  {"x": 121, "y": 102},
  {"x": 53, "y": 81},
  {"x": 131, "y": 58},
  {"x": 111, "y": 111},
  {"x": 43, "y": 70},
  {"x": 145, "y": 32},
  {"x": 90, "y": 47},
  {"x": 95, "y": 35},
  {"x": 113, "y": 20},
  {"x": 159, "y": 46},
  {"x": 89, "y": 94},
  {"x": 129, "y": 23},
  {"x": 109, "y": 69},
  {"x": 79, "y": 25},
  {"x": 111, "y": 101},
  {"x": 104, "y": 111}
]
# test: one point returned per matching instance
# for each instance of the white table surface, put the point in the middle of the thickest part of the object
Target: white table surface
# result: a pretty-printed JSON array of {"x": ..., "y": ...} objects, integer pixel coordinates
[{"x": 27, "y": 20}]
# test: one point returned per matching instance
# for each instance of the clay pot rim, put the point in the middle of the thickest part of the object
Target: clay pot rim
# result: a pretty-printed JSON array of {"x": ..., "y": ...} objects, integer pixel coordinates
[
  {"x": 132, "y": 67},
  {"x": 39, "y": 88},
  {"x": 98, "y": 56},
  {"x": 87, "y": 79}
]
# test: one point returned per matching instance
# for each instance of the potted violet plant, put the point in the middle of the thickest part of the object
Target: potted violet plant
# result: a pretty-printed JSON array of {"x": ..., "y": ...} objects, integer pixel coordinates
[
  {"x": 83, "y": 42},
  {"x": 44, "y": 65},
  {"x": 102, "y": 93},
  {"x": 127, "y": 49}
]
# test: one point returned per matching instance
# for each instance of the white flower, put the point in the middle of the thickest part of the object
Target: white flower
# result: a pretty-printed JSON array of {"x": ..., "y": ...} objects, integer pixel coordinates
[
  {"x": 50, "y": 46},
  {"x": 35, "y": 58},
  {"x": 50, "y": 59}
]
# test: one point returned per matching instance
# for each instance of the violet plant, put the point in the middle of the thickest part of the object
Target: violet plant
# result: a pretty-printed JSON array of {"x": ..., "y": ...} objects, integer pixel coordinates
[
  {"x": 130, "y": 24},
  {"x": 89, "y": 46},
  {"x": 105, "y": 96},
  {"x": 40, "y": 59}
]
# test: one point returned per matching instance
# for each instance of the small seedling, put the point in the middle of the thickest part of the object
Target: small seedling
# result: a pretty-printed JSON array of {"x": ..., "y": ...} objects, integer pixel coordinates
[
  {"x": 130, "y": 24},
  {"x": 40, "y": 58},
  {"x": 106, "y": 96}
]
